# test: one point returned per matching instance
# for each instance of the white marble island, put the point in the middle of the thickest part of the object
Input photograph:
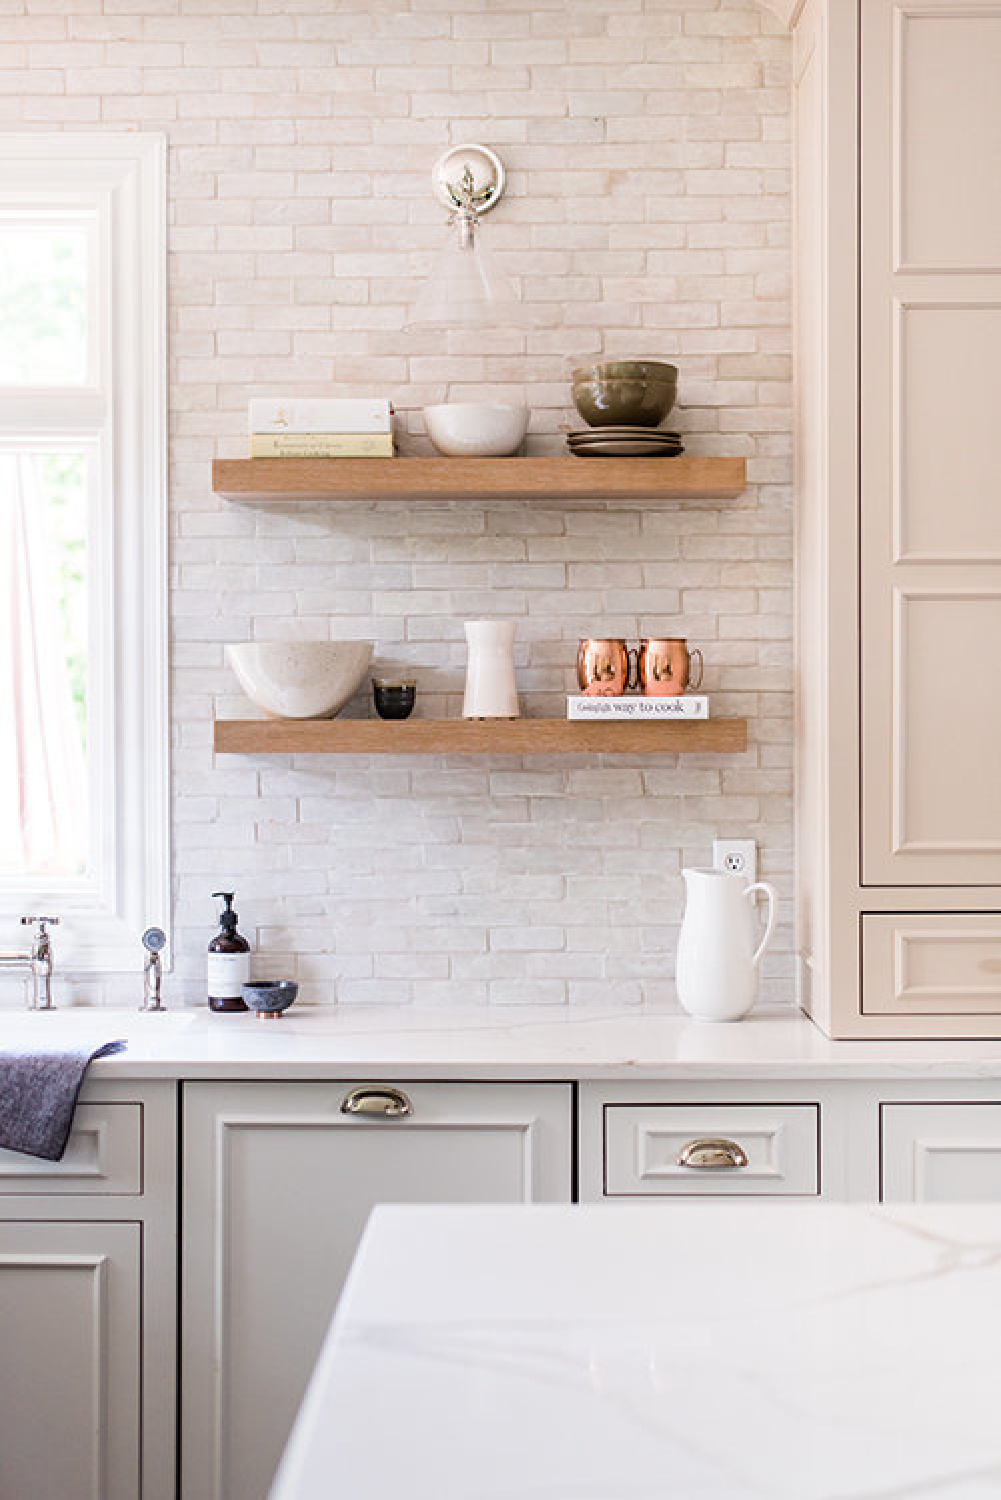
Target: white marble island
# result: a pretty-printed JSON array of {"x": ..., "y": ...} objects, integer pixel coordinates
[{"x": 725, "y": 1352}]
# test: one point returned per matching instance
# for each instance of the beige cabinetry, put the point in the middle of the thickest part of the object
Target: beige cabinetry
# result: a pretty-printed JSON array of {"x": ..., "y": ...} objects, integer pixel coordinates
[
  {"x": 899, "y": 345},
  {"x": 930, "y": 443},
  {"x": 278, "y": 1181},
  {"x": 88, "y": 1305}
]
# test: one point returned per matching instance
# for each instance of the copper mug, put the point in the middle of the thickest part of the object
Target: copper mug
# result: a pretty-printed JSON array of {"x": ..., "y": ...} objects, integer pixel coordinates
[
  {"x": 666, "y": 668},
  {"x": 603, "y": 668}
]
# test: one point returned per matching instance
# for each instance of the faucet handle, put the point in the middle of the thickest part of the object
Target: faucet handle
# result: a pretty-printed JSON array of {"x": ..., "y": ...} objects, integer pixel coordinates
[{"x": 43, "y": 922}]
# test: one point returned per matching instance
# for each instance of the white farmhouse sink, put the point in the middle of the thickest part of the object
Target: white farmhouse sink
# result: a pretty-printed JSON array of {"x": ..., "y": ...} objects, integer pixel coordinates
[{"x": 90, "y": 1024}]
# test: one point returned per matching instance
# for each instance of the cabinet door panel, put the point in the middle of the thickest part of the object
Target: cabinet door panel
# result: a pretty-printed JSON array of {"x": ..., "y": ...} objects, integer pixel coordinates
[
  {"x": 947, "y": 127},
  {"x": 278, "y": 1183},
  {"x": 946, "y": 793},
  {"x": 948, "y": 362},
  {"x": 930, "y": 523},
  {"x": 940, "y": 1153},
  {"x": 70, "y": 1373}
]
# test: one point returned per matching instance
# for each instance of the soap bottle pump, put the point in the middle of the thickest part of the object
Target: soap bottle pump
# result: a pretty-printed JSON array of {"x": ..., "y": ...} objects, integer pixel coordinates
[{"x": 229, "y": 960}]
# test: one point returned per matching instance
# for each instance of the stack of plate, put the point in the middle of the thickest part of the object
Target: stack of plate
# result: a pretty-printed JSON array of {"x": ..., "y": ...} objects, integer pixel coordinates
[{"x": 624, "y": 442}]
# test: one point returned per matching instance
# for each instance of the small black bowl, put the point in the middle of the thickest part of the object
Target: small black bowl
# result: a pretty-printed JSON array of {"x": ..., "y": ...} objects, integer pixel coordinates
[{"x": 394, "y": 700}]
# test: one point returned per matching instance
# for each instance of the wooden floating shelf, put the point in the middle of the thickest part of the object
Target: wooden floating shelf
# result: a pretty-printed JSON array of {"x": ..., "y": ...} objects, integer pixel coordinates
[
  {"x": 477, "y": 737},
  {"x": 258, "y": 480}
]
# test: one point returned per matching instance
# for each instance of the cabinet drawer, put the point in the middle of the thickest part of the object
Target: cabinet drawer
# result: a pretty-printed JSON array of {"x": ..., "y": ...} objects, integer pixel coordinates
[
  {"x": 653, "y": 1150},
  {"x": 938, "y": 964},
  {"x": 103, "y": 1155}
]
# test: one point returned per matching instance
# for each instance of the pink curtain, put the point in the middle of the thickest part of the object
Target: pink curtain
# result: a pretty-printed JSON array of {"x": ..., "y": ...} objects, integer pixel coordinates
[{"x": 43, "y": 774}]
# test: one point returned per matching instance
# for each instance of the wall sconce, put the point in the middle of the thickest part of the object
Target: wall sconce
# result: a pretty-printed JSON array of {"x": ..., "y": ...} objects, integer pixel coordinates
[{"x": 465, "y": 287}]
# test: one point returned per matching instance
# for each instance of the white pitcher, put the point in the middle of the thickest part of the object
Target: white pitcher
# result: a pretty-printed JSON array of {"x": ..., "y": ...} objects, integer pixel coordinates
[
  {"x": 717, "y": 968},
  {"x": 491, "y": 692}
]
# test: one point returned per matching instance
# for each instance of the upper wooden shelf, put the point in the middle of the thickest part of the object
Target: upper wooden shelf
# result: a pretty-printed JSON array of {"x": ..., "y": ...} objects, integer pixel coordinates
[
  {"x": 477, "y": 737},
  {"x": 250, "y": 480}
]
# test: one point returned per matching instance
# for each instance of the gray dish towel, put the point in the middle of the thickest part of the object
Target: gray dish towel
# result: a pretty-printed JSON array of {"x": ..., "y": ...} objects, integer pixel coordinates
[{"x": 38, "y": 1093}]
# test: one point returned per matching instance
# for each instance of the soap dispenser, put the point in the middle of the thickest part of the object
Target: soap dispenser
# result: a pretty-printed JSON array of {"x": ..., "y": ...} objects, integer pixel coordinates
[{"x": 229, "y": 960}]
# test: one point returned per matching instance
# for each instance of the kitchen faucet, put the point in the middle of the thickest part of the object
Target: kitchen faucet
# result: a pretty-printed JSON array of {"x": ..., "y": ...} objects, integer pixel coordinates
[{"x": 38, "y": 958}]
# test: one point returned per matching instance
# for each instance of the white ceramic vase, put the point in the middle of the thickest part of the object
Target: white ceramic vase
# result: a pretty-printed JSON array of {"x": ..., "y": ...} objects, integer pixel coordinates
[
  {"x": 491, "y": 691},
  {"x": 717, "y": 968}
]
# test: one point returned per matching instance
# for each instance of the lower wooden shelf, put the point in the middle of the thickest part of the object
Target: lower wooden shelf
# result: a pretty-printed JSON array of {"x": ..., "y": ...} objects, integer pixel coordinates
[{"x": 477, "y": 737}]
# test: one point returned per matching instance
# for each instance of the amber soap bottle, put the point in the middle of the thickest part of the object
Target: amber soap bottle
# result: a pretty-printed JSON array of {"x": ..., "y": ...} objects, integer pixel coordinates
[{"x": 229, "y": 960}]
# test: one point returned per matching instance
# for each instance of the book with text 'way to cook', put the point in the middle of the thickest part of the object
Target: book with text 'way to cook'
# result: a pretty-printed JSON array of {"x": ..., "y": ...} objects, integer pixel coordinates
[{"x": 638, "y": 706}]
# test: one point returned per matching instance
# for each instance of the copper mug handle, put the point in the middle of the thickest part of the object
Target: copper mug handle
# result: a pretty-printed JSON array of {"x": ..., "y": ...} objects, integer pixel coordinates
[
  {"x": 632, "y": 668},
  {"x": 694, "y": 683}
]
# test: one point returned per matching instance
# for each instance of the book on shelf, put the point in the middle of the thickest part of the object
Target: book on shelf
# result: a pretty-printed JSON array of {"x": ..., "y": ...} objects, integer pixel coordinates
[
  {"x": 322, "y": 445},
  {"x": 320, "y": 415},
  {"x": 638, "y": 706}
]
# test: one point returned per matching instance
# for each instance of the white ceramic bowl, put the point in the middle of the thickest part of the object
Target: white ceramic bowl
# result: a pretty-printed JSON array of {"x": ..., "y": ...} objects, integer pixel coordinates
[
  {"x": 300, "y": 679},
  {"x": 476, "y": 429}
]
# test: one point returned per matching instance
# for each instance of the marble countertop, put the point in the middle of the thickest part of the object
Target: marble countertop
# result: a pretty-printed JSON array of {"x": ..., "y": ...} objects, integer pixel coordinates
[
  {"x": 500, "y": 1042},
  {"x": 704, "y": 1352}
]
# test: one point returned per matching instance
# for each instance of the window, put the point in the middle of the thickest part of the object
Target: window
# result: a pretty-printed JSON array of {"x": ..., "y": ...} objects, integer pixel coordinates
[{"x": 83, "y": 734}]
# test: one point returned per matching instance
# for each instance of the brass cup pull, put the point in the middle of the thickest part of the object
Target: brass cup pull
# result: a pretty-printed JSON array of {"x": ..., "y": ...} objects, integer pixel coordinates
[
  {"x": 377, "y": 1103},
  {"x": 711, "y": 1153}
]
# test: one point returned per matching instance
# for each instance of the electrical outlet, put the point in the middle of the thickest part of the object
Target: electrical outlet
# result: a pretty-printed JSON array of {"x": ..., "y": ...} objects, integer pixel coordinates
[{"x": 739, "y": 856}]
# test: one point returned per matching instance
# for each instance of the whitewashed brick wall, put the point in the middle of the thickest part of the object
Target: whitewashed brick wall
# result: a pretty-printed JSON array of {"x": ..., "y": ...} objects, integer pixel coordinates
[{"x": 647, "y": 144}]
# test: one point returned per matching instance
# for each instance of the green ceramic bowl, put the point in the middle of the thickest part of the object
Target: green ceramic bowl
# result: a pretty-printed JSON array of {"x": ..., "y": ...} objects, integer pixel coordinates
[
  {"x": 628, "y": 369},
  {"x": 624, "y": 403}
]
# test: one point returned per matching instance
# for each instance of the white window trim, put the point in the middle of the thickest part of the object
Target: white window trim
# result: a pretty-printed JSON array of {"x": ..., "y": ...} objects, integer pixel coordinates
[{"x": 101, "y": 928}]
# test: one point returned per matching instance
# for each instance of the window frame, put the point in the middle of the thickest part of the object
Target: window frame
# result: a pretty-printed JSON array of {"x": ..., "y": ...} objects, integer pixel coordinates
[{"x": 121, "y": 413}]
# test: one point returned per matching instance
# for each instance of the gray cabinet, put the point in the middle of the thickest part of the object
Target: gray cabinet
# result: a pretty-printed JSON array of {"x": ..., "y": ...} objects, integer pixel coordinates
[
  {"x": 70, "y": 1332},
  {"x": 88, "y": 1305},
  {"x": 940, "y": 1153},
  {"x": 278, "y": 1181}
]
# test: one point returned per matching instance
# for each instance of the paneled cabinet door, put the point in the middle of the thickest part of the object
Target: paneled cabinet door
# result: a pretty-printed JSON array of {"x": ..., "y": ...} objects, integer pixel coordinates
[
  {"x": 940, "y": 1153},
  {"x": 70, "y": 1366},
  {"x": 278, "y": 1182},
  {"x": 930, "y": 442}
]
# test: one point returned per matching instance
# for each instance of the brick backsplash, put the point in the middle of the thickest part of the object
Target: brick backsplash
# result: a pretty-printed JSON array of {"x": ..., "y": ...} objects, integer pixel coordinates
[{"x": 647, "y": 213}]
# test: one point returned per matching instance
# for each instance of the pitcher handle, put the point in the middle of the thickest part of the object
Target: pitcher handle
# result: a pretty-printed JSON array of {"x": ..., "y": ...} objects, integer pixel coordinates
[{"x": 769, "y": 890}]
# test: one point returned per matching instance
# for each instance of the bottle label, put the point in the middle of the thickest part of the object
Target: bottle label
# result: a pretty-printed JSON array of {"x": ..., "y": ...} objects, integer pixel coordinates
[{"x": 227, "y": 974}]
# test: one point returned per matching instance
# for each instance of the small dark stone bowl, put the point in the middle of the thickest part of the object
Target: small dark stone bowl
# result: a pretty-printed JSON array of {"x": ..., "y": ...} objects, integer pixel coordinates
[{"x": 269, "y": 997}]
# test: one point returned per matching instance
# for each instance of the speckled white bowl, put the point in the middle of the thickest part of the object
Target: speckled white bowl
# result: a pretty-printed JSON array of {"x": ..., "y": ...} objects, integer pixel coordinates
[
  {"x": 300, "y": 679},
  {"x": 476, "y": 429}
]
